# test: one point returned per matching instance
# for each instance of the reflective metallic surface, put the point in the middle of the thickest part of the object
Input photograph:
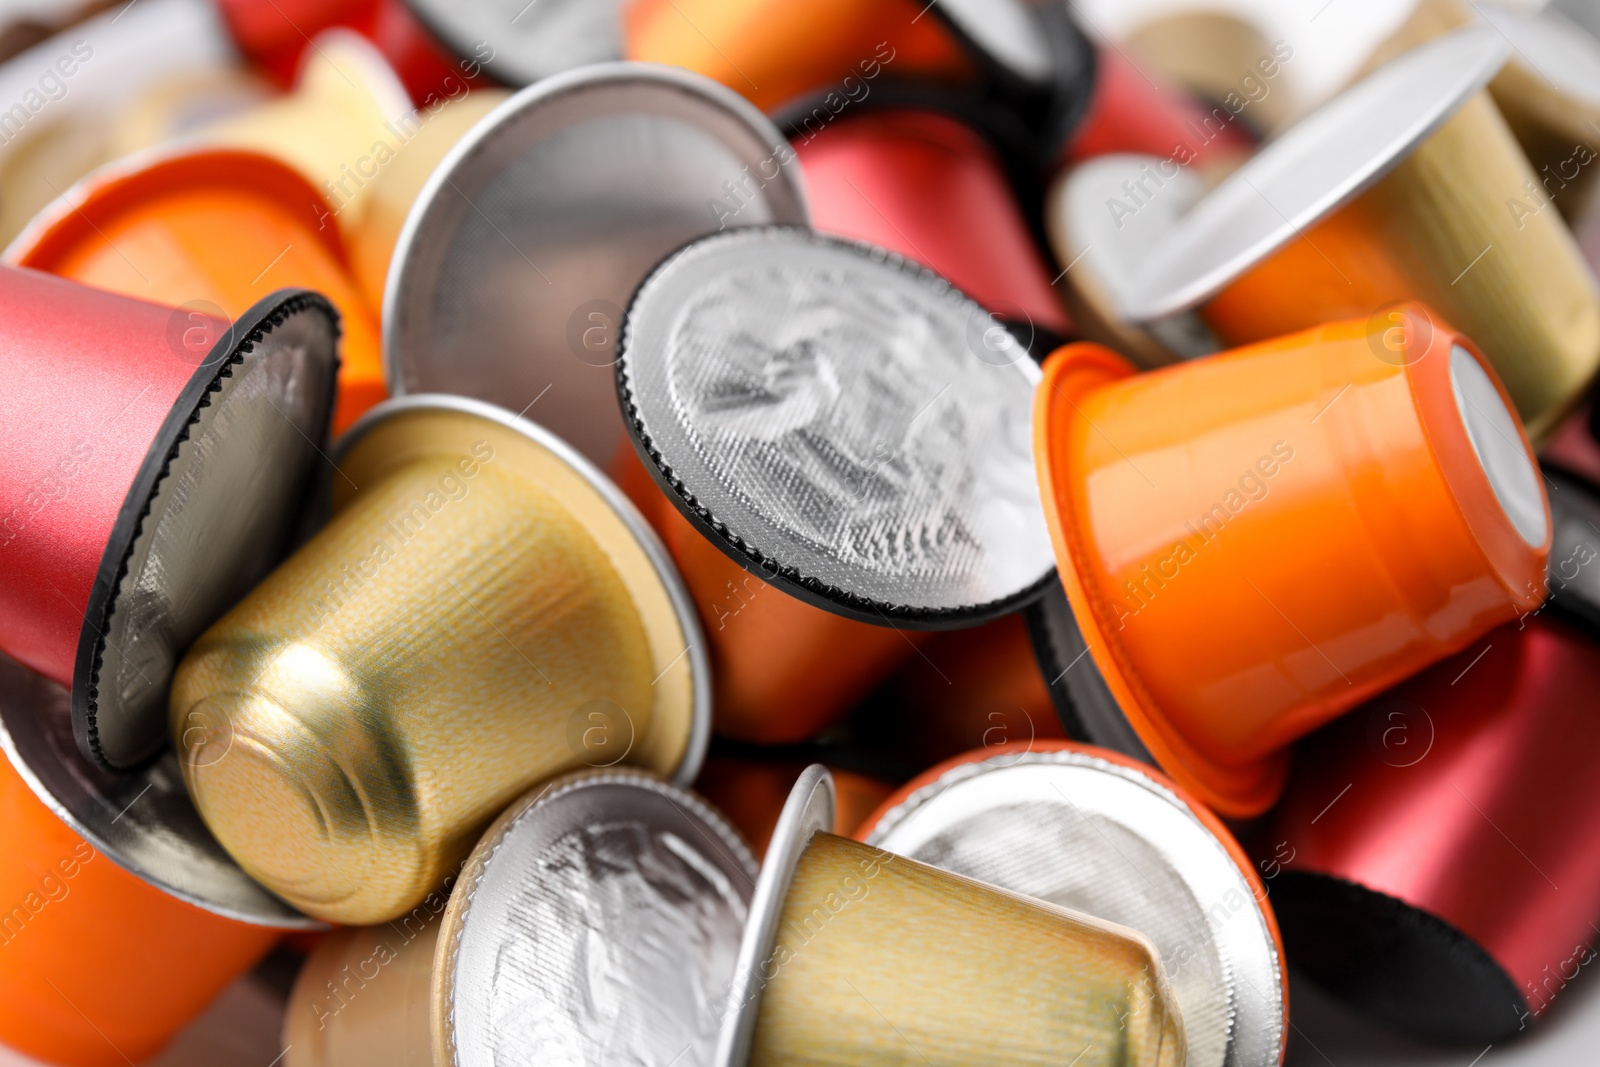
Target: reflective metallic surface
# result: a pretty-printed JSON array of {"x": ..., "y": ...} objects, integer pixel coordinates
[
  {"x": 596, "y": 924},
  {"x": 517, "y": 42},
  {"x": 1450, "y": 892},
  {"x": 1077, "y": 830},
  {"x": 848, "y": 419},
  {"x": 142, "y": 820},
  {"x": 1111, "y": 248},
  {"x": 510, "y": 276},
  {"x": 1320, "y": 163},
  {"x": 808, "y": 811},
  {"x": 484, "y": 610},
  {"x": 224, "y": 500},
  {"x": 857, "y": 956}
]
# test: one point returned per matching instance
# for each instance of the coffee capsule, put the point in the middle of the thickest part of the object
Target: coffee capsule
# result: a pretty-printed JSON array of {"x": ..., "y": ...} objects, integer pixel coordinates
[
  {"x": 1436, "y": 862},
  {"x": 349, "y": 129},
  {"x": 210, "y": 232},
  {"x": 1029, "y": 55},
  {"x": 95, "y": 962},
  {"x": 1548, "y": 91},
  {"x": 1573, "y": 447},
  {"x": 1387, "y": 457},
  {"x": 965, "y": 689},
  {"x": 930, "y": 187},
  {"x": 347, "y": 119},
  {"x": 483, "y": 611},
  {"x": 511, "y": 272},
  {"x": 847, "y": 427},
  {"x": 125, "y": 448},
  {"x": 123, "y": 452},
  {"x": 597, "y": 921},
  {"x": 65, "y": 96},
  {"x": 1395, "y": 190},
  {"x": 828, "y": 974},
  {"x": 1092, "y": 831},
  {"x": 1223, "y": 59},
  {"x": 752, "y": 790}
]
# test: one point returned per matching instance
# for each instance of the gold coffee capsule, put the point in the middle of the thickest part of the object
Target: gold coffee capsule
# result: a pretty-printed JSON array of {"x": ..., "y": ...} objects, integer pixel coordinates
[
  {"x": 1548, "y": 91},
  {"x": 856, "y": 956},
  {"x": 1404, "y": 187},
  {"x": 483, "y": 611},
  {"x": 596, "y": 922}
]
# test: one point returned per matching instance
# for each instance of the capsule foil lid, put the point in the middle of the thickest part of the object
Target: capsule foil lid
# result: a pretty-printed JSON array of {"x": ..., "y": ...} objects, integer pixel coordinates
[
  {"x": 597, "y": 922},
  {"x": 841, "y": 421},
  {"x": 1319, "y": 165},
  {"x": 1069, "y": 827},
  {"x": 509, "y": 277}
]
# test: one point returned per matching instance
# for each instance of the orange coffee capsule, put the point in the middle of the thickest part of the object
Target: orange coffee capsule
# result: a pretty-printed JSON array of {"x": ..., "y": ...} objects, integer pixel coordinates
[
  {"x": 1407, "y": 186},
  {"x": 212, "y": 232},
  {"x": 1256, "y": 542},
  {"x": 97, "y": 966}
]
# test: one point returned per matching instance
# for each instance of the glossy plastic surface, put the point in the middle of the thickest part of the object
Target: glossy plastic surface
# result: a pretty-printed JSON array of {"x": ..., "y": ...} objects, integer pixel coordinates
[
  {"x": 752, "y": 47},
  {"x": 97, "y": 968},
  {"x": 1255, "y": 542}
]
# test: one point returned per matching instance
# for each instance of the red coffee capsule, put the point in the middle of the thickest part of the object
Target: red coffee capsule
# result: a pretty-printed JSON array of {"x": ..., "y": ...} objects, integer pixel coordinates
[
  {"x": 121, "y": 457},
  {"x": 143, "y": 487},
  {"x": 929, "y": 186},
  {"x": 1436, "y": 862},
  {"x": 1256, "y": 542}
]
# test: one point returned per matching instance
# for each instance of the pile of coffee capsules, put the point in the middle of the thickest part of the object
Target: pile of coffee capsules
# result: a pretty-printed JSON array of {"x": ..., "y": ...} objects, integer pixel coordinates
[{"x": 706, "y": 533}]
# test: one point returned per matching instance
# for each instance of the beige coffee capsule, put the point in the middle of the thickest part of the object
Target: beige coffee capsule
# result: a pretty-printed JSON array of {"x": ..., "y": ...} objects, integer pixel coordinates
[
  {"x": 855, "y": 956},
  {"x": 483, "y": 611}
]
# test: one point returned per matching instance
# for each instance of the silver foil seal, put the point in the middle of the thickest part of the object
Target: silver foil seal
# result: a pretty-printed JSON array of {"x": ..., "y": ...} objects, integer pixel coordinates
[
  {"x": 1073, "y": 829},
  {"x": 598, "y": 924},
  {"x": 843, "y": 420}
]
